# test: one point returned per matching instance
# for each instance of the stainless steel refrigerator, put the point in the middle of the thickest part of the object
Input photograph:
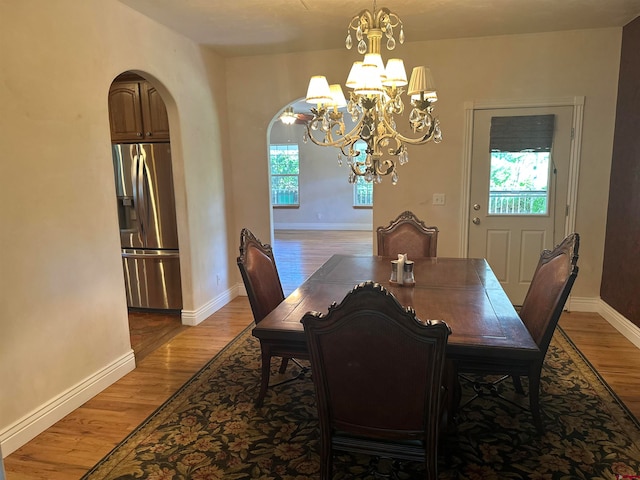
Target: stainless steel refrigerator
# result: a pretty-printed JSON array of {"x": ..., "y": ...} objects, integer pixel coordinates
[{"x": 148, "y": 231}]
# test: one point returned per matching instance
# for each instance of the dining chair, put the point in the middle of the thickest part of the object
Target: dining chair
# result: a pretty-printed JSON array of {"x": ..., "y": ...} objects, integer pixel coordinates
[
  {"x": 407, "y": 234},
  {"x": 377, "y": 371},
  {"x": 550, "y": 286},
  {"x": 261, "y": 280}
]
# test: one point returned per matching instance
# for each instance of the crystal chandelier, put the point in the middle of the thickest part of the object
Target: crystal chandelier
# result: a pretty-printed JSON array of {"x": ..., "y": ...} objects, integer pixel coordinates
[{"x": 374, "y": 100}]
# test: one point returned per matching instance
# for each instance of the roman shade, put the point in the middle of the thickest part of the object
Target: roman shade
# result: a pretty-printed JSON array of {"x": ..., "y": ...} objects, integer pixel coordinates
[{"x": 518, "y": 133}]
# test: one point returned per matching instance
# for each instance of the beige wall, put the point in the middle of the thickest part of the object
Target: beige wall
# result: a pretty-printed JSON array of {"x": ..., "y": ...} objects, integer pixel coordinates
[
  {"x": 532, "y": 66},
  {"x": 63, "y": 312}
]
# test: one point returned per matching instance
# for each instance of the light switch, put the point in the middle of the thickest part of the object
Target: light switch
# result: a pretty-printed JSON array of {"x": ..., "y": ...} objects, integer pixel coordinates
[{"x": 438, "y": 199}]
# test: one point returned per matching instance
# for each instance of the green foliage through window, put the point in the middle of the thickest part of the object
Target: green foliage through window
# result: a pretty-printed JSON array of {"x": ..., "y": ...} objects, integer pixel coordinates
[
  {"x": 284, "y": 164},
  {"x": 519, "y": 183}
]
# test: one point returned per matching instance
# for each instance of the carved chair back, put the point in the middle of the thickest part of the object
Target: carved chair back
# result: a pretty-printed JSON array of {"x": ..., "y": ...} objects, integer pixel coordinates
[
  {"x": 550, "y": 286},
  {"x": 377, "y": 371},
  {"x": 407, "y": 234},
  {"x": 259, "y": 274}
]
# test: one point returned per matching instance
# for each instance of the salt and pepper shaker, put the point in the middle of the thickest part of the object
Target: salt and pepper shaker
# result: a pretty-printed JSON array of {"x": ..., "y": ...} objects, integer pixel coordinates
[
  {"x": 394, "y": 271},
  {"x": 407, "y": 274},
  {"x": 402, "y": 271}
]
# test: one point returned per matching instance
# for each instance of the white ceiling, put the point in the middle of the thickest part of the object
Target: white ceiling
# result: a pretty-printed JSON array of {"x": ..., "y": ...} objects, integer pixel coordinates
[{"x": 250, "y": 27}]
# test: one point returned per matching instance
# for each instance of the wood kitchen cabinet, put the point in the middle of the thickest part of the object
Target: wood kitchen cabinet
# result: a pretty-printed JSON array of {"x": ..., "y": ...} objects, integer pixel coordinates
[{"x": 137, "y": 113}]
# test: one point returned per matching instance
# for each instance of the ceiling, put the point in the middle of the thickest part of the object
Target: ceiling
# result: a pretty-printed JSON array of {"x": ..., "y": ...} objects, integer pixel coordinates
[{"x": 257, "y": 27}]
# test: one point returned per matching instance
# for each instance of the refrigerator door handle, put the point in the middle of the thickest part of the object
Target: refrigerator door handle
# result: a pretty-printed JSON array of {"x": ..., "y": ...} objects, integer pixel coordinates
[{"x": 139, "y": 189}]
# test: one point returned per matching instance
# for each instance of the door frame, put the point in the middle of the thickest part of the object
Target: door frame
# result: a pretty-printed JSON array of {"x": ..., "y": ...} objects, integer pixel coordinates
[{"x": 470, "y": 107}]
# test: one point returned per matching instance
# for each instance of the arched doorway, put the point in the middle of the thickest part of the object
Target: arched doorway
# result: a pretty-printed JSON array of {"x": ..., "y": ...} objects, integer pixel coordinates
[
  {"x": 315, "y": 211},
  {"x": 141, "y": 153}
]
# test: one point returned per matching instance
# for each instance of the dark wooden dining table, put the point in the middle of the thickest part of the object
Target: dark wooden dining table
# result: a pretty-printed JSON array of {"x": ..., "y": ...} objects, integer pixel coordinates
[{"x": 464, "y": 292}]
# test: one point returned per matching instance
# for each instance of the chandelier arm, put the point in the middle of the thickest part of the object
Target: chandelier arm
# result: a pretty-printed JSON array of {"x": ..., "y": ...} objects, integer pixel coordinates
[
  {"x": 328, "y": 137},
  {"x": 390, "y": 136},
  {"x": 358, "y": 168},
  {"x": 344, "y": 140},
  {"x": 389, "y": 166},
  {"x": 428, "y": 136}
]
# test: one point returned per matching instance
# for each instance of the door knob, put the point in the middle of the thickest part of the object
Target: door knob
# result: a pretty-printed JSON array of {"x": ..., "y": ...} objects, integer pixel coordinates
[
  {"x": 476, "y": 221},
  {"x": 476, "y": 206}
]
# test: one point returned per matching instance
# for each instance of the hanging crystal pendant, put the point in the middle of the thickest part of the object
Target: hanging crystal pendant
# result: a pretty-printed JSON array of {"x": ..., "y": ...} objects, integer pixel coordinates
[
  {"x": 401, "y": 36},
  {"x": 403, "y": 156},
  {"x": 339, "y": 158},
  {"x": 437, "y": 137},
  {"x": 359, "y": 33},
  {"x": 348, "y": 42},
  {"x": 378, "y": 179},
  {"x": 305, "y": 137},
  {"x": 388, "y": 107},
  {"x": 352, "y": 177},
  {"x": 351, "y": 106},
  {"x": 368, "y": 177},
  {"x": 394, "y": 178},
  {"x": 362, "y": 47}
]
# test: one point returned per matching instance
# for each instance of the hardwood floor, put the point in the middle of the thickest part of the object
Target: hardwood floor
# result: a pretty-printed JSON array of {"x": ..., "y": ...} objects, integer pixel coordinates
[
  {"x": 74, "y": 444},
  {"x": 299, "y": 254},
  {"x": 150, "y": 330}
]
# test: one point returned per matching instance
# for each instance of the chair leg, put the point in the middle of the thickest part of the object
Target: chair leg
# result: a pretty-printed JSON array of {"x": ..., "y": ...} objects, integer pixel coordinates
[
  {"x": 265, "y": 372},
  {"x": 431, "y": 466},
  {"x": 534, "y": 400},
  {"x": 326, "y": 457},
  {"x": 517, "y": 384},
  {"x": 283, "y": 365}
]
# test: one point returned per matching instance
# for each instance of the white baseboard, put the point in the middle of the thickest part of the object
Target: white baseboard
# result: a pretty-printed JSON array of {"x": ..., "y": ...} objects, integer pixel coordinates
[
  {"x": 36, "y": 422},
  {"x": 622, "y": 324},
  {"x": 194, "y": 317},
  {"x": 323, "y": 226},
  {"x": 583, "y": 304},
  {"x": 627, "y": 328}
]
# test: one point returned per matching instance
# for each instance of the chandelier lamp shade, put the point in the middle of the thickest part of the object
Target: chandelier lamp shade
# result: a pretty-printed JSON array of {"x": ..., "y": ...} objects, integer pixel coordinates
[{"x": 375, "y": 100}]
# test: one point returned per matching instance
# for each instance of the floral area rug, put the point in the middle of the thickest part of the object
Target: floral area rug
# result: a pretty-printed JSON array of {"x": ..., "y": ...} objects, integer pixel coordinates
[{"x": 210, "y": 429}]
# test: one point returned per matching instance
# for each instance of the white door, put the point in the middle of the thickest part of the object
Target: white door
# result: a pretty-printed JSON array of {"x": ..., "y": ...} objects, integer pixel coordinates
[{"x": 518, "y": 201}]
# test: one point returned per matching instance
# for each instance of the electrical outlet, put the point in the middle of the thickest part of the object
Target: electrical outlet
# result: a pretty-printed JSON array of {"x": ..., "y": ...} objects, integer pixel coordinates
[{"x": 438, "y": 199}]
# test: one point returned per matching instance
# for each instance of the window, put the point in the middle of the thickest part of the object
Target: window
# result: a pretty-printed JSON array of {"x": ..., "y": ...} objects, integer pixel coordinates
[
  {"x": 362, "y": 190},
  {"x": 519, "y": 183},
  {"x": 285, "y": 169},
  {"x": 520, "y": 164}
]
